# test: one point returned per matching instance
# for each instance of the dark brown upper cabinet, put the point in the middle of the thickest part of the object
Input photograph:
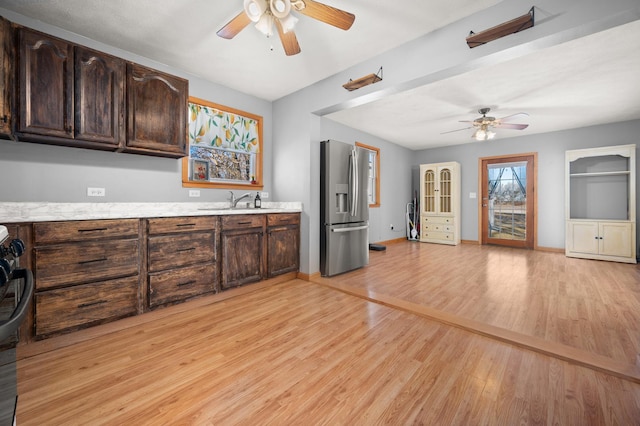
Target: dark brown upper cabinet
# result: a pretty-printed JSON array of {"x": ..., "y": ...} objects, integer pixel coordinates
[
  {"x": 99, "y": 97},
  {"x": 6, "y": 69},
  {"x": 156, "y": 112},
  {"x": 45, "y": 87},
  {"x": 69, "y": 95}
]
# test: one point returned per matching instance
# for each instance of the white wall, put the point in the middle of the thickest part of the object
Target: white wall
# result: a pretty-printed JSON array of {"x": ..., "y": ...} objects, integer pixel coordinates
[{"x": 551, "y": 171}]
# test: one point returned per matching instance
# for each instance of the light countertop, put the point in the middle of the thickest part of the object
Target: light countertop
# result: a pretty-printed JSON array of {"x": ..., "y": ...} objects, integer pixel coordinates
[{"x": 15, "y": 212}]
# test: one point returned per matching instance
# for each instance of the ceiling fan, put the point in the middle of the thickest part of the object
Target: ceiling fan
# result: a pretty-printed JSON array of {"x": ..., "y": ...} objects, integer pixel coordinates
[
  {"x": 484, "y": 124},
  {"x": 269, "y": 13}
]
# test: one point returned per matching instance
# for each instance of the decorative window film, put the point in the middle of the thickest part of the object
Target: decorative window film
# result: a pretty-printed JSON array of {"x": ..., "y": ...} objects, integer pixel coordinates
[{"x": 229, "y": 141}]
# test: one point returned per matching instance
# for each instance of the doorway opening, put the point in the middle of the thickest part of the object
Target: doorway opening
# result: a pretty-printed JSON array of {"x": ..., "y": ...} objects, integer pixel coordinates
[{"x": 508, "y": 213}]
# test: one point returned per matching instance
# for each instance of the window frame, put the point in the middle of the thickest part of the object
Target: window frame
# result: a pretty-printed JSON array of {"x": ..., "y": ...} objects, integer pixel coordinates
[
  {"x": 188, "y": 183},
  {"x": 376, "y": 191}
]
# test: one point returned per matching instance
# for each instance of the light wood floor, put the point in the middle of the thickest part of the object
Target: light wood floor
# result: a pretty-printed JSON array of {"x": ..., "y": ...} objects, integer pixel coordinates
[{"x": 303, "y": 353}]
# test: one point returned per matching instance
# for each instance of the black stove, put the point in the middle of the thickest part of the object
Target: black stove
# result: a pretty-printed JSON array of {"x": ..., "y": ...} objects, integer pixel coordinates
[{"x": 16, "y": 290}]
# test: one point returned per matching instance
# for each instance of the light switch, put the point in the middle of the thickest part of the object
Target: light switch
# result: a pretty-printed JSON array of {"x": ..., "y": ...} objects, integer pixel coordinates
[{"x": 472, "y": 195}]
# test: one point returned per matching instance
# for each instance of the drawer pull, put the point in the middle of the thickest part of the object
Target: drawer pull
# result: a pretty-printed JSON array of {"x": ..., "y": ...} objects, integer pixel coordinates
[
  {"x": 84, "y": 262},
  {"x": 88, "y": 304},
  {"x": 186, "y": 249},
  {"x": 244, "y": 223},
  {"x": 186, "y": 224},
  {"x": 186, "y": 283},
  {"x": 92, "y": 229}
]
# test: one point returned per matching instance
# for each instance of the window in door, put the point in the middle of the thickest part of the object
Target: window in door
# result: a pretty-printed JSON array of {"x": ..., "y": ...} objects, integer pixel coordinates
[{"x": 508, "y": 201}]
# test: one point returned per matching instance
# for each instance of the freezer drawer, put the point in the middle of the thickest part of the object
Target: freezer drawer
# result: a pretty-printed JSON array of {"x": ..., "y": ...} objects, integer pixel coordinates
[{"x": 344, "y": 248}]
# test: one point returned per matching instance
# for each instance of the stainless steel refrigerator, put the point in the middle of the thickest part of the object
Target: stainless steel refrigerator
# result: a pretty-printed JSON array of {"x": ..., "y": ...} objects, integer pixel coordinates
[{"x": 344, "y": 208}]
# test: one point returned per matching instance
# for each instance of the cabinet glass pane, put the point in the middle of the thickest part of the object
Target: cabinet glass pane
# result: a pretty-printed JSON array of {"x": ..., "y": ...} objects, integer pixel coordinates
[
  {"x": 445, "y": 191},
  {"x": 599, "y": 197},
  {"x": 429, "y": 191}
]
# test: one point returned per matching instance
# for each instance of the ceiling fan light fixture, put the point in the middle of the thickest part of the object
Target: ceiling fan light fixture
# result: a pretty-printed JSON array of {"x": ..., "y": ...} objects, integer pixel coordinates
[
  {"x": 255, "y": 9},
  {"x": 280, "y": 8},
  {"x": 265, "y": 24},
  {"x": 288, "y": 23}
]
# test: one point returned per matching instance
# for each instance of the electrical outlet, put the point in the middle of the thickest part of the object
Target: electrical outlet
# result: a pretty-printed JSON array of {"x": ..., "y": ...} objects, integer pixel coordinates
[
  {"x": 194, "y": 193},
  {"x": 95, "y": 192},
  {"x": 264, "y": 194}
]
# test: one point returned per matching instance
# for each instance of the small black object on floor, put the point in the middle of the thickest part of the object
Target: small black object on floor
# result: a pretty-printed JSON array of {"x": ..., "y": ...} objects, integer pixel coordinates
[{"x": 377, "y": 247}]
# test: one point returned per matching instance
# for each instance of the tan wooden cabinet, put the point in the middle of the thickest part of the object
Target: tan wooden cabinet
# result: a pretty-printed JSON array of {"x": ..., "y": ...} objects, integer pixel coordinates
[
  {"x": 600, "y": 203},
  {"x": 87, "y": 273},
  {"x": 283, "y": 243},
  {"x": 440, "y": 203},
  {"x": 242, "y": 246},
  {"x": 181, "y": 258},
  {"x": 156, "y": 112}
]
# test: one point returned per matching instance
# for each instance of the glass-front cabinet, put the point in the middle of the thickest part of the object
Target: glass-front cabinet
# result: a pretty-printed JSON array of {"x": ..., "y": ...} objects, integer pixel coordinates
[
  {"x": 600, "y": 203},
  {"x": 440, "y": 203}
]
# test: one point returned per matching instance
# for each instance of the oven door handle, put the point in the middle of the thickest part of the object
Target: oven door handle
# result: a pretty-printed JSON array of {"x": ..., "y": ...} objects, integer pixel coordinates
[{"x": 7, "y": 328}]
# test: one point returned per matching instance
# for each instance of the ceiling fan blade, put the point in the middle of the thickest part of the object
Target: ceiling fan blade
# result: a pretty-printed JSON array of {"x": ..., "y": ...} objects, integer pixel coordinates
[
  {"x": 513, "y": 116},
  {"x": 288, "y": 39},
  {"x": 511, "y": 126},
  {"x": 234, "y": 26},
  {"x": 327, "y": 14},
  {"x": 457, "y": 130}
]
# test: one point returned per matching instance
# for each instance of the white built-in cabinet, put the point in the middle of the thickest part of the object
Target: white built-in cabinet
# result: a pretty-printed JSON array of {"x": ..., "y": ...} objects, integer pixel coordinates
[
  {"x": 440, "y": 203},
  {"x": 601, "y": 203}
]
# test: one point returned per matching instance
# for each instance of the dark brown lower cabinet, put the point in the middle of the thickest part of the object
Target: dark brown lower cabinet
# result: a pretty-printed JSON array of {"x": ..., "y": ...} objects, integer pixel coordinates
[
  {"x": 242, "y": 242},
  {"x": 283, "y": 243},
  {"x": 85, "y": 305},
  {"x": 181, "y": 258}
]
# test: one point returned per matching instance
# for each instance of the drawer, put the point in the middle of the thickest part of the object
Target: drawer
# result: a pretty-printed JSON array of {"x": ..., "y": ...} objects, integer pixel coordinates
[
  {"x": 83, "y": 230},
  {"x": 434, "y": 235},
  {"x": 438, "y": 227},
  {"x": 180, "y": 284},
  {"x": 182, "y": 224},
  {"x": 65, "y": 264},
  {"x": 84, "y": 305},
  {"x": 242, "y": 221},
  {"x": 276, "y": 219},
  {"x": 172, "y": 251},
  {"x": 437, "y": 219}
]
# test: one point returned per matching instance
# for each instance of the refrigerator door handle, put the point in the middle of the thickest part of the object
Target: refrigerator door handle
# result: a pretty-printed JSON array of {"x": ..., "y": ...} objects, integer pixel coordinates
[
  {"x": 354, "y": 184},
  {"x": 355, "y": 228}
]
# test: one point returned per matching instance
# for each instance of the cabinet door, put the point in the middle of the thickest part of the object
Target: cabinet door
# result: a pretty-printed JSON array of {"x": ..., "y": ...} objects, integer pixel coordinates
[
  {"x": 615, "y": 239},
  {"x": 99, "y": 97},
  {"x": 444, "y": 190},
  {"x": 242, "y": 254},
  {"x": 156, "y": 112},
  {"x": 283, "y": 249},
  {"x": 582, "y": 237},
  {"x": 45, "y": 85},
  {"x": 6, "y": 80},
  {"x": 429, "y": 190}
]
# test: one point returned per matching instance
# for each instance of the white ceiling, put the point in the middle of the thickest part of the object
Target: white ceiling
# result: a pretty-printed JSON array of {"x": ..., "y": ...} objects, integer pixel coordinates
[{"x": 584, "y": 86}]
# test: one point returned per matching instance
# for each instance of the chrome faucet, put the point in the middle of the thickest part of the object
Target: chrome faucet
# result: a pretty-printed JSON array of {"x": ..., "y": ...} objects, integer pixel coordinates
[{"x": 234, "y": 201}]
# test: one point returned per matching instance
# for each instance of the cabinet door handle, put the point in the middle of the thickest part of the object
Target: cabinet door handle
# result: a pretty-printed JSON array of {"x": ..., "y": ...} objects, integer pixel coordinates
[
  {"x": 186, "y": 283},
  {"x": 88, "y": 304},
  {"x": 92, "y": 229},
  {"x": 84, "y": 262}
]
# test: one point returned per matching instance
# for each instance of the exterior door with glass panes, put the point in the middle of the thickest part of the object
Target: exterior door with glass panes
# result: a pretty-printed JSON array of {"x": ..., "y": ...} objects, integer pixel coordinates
[{"x": 508, "y": 200}]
